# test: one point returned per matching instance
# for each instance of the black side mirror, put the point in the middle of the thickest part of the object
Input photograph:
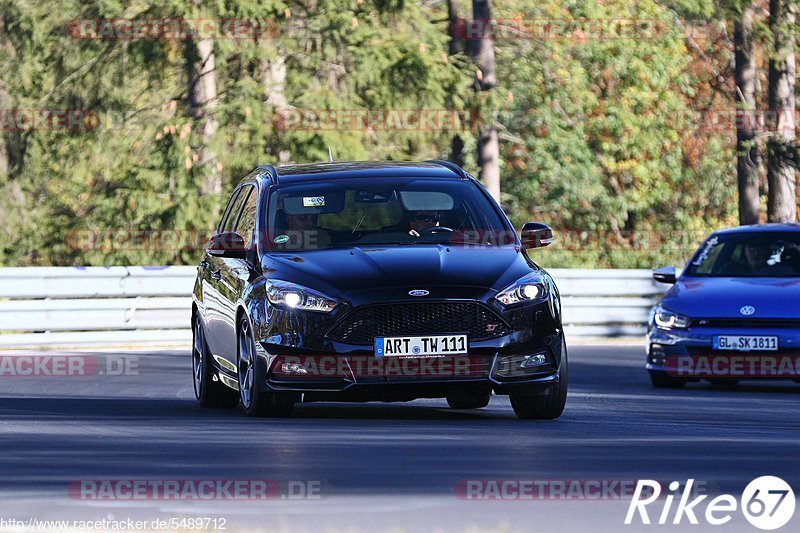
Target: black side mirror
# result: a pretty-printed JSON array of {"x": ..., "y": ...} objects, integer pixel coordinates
[
  {"x": 665, "y": 274},
  {"x": 536, "y": 235},
  {"x": 228, "y": 245}
]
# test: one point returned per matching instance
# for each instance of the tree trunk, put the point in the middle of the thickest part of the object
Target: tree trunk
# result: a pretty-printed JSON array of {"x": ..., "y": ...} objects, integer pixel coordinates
[
  {"x": 454, "y": 30},
  {"x": 482, "y": 46},
  {"x": 489, "y": 160},
  {"x": 483, "y": 54},
  {"x": 5, "y": 104},
  {"x": 273, "y": 81},
  {"x": 4, "y": 107},
  {"x": 747, "y": 155},
  {"x": 457, "y": 150},
  {"x": 203, "y": 103},
  {"x": 781, "y": 204}
]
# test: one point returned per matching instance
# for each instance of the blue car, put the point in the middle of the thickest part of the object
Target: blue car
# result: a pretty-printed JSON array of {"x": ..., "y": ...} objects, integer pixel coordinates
[{"x": 733, "y": 313}]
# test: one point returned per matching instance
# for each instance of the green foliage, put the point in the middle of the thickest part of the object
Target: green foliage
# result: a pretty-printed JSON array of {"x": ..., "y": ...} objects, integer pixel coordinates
[
  {"x": 602, "y": 143},
  {"x": 596, "y": 134}
]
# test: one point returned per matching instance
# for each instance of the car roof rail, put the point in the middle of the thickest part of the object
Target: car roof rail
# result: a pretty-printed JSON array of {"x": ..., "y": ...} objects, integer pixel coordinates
[
  {"x": 273, "y": 174},
  {"x": 451, "y": 166}
]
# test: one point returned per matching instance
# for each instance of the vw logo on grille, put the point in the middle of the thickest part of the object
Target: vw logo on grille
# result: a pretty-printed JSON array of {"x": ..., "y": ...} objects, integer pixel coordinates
[
  {"x": 418, "y": 292},
  {"x": 747, "y": 310}
]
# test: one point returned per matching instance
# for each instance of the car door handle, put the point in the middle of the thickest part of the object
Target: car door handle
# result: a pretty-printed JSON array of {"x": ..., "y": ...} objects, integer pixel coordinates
[{"x": 216, "y": 275}]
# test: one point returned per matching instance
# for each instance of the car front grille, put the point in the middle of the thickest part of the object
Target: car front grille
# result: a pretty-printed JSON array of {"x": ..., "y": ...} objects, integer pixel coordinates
[
  {"x": 363, "y": 324},
  {"x": 781, "y": 323}
]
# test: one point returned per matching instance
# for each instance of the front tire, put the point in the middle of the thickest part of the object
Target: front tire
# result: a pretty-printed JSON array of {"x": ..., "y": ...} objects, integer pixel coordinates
[
  {"x": 209, "y": 393},
  {"x": 666, "y": 382},
  {"x": 465, "y": 400},
  {"x": 550, "y": 405},
  {"x": 252, "y": 373}
]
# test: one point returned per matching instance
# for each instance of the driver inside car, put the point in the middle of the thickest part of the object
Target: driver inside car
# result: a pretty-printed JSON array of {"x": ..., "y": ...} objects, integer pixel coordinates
[
  {"x": 753, "y": 261},
  {"x": 422, "y": 220}
]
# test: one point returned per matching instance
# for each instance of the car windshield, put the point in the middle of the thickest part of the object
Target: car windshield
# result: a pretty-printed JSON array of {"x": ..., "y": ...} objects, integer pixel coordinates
[
  {"x": 752, "y": 255},
  {"x": 383, "y": 211}
]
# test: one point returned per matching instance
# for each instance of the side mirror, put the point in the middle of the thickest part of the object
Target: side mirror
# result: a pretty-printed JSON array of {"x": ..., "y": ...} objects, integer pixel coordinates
[
  {"x": 228, "y": 245},
  {"x": 665, "y": 274},
  {"x": 536, "y": 235}
]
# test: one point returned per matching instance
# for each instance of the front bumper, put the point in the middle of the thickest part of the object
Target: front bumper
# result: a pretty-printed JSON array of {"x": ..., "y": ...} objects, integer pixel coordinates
[
  {"x": 301, "y": 355},
  {"x": 377, "y": 377},
  {"x": 689, "y": 354}
]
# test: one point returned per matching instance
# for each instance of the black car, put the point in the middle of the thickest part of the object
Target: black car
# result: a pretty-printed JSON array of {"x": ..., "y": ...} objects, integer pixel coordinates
[{"x": 374, "y": 281}]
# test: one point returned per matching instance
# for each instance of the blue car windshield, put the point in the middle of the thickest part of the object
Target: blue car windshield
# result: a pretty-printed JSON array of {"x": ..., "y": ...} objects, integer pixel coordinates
[
  {"x": 383, "y": 211},
  {"x": 748, "y": 254}
]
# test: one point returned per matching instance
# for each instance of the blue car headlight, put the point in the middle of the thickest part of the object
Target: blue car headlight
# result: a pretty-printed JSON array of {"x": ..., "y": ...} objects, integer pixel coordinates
[
  {"x": 293, "y": 296},
  {"x": 666, "y": 319},
  {"x": 530, "y": 288}
]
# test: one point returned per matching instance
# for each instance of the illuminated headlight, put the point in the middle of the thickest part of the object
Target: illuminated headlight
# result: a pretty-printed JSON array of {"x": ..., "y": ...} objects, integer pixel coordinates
[
  {"x": 664, "y": 318},
  {"x": 293, "y": 296},
  {"x": 528, "y": 289},
  {"x": 292, "y": 299}
]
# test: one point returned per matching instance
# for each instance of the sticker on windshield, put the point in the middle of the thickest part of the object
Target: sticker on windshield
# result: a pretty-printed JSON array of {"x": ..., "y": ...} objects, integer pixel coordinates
[
  {"x": 706, "y": 251},
  {"x": 775, "y": 258},
  {"x": 313, "y": 201},
  {"x": 280, "y": 239}
]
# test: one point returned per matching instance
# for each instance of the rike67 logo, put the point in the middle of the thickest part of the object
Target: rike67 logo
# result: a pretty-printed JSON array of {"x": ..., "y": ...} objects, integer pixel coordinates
[{"x": 767, "y": 503}]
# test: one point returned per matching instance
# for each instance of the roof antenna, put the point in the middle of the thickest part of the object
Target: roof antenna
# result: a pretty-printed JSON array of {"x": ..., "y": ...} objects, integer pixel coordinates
[{"x": 330, "y": 155}]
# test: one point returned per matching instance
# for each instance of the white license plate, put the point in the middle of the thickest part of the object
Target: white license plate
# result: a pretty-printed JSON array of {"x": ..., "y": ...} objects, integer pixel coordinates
[
  {"x": 419, "y": 346},
  {"x": 746, "y": 343}
]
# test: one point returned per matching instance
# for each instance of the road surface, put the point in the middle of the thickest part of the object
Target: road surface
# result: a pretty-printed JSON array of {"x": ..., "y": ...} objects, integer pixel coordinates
[{"x": 358, "y": 467}]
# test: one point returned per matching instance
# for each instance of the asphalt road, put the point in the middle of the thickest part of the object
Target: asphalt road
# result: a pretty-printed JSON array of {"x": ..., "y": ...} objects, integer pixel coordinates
[{"x": 398, "y": 465}]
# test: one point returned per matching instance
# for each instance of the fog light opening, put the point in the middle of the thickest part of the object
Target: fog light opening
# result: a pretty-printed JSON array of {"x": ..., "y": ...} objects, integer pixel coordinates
[
  {"x": 657, "y": 354},
  {"x": 530, "y": 361},
  {"x": 293, "y": 368}
]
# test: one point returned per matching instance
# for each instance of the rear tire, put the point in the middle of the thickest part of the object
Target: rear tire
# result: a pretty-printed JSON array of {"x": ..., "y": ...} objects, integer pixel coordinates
[
  {"x": 546, "y": 406},
  {"x": 466, "y": 400},
  {"x": 209, "y": 393},
  {"x": 666, "y": 382},
  {"x": 252, "y": 372}
]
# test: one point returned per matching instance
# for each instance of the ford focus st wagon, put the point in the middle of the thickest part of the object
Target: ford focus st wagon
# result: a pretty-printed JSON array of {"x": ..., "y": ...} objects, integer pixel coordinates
[{"x": 374, "y": 282}]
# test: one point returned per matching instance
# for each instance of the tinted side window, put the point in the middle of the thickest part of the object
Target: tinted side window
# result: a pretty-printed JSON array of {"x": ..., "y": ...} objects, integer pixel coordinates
[
  {"x": 233, "y": 215},
  {"x": 247, "y": 222},
  {"x": 228, "y": 210}
]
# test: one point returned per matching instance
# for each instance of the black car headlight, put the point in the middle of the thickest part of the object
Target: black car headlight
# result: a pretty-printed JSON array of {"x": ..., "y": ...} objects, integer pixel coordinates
[
  {"x": 530, "y": 288},
  {"x": 666, "y": 319},
  {"x": 293, "y": 296}
]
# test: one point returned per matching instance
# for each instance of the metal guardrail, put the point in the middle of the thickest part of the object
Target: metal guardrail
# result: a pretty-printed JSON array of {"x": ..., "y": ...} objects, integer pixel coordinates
[{"x": 84, "y": 306}]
